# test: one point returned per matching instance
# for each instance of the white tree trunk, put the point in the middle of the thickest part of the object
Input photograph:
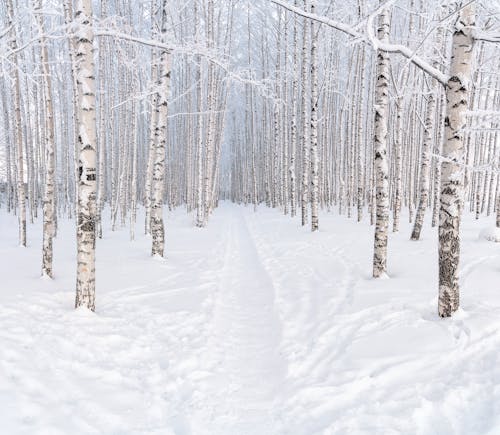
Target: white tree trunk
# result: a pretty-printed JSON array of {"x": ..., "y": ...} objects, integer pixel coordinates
[
  {"x": 157, "y": 227},
  {"x": 293, "y": 133},
  {"x": 305, "y": 130},
  {"x": 68, "y": 19},
  {"x": 314, "y": 127},
  {"x": 457, "y": 99},
  {"x": 425, "y": 169},
  {"x": 87, "y": 184},
  {"x": 151, "y": 152},
  {"x": 381, "y": 166},
  {"x": 21, "y": 194},
  {"x": 49, "y": 193},
  {"x": 102, "y": 128}
]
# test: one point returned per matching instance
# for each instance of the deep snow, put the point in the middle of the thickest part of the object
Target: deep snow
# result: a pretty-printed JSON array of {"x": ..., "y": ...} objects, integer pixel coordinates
[{"x": 251, "y": 326}]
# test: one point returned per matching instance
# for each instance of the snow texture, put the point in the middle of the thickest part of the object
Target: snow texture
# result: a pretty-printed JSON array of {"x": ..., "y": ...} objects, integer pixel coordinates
[
  {"x": 491, "y": 234},
  {"x": 251, "y": 326}
]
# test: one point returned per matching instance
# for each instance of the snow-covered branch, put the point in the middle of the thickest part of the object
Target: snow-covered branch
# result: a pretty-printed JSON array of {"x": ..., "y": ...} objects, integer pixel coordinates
[
  {"x": 191, "y": 50},
  {"x": 370, "y": 37},
  {"x": 489, "y": 36},
  {"x": 127, "y": 37},
  {"x": 345, "y": 28}
]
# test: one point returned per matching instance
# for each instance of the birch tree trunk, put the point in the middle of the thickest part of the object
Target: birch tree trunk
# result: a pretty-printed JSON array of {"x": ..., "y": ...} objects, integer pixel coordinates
[
  {"x": 305, "y": 132},
  {"x": 87, "y": 183},
  {"x": 398, "y": 144},
  {"x": 21, "y": 194},
  {"x": 102, "y": 128},
  {"x": 49, "y": 193},
  {"x": 457, "y": 100},
  {"x": 293, "y": 139},
  {"x": 314, "y": 127},
  {"x": 200, "y": 204},
  {"x": 68, "y": 19},
  {"x": 359, "y": 135},
  {"x": 157, "y": 227},
  {"x": 426, "y": 164},
  {"x": 151, "y": 153},
  {"x": 381, "y": 166},
  {"x": 429, "y": 137}
]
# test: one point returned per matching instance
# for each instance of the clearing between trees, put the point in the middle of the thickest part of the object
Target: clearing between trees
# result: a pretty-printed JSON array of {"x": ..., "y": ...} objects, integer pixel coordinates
[{"x": 249, "y": 326}]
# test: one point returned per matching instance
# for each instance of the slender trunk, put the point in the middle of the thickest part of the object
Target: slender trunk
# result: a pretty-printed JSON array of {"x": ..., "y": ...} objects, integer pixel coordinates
[
  {"x": 425, "y": 169},
  {"x": 314, "y": 127},
  {"x": 457, "y": 98},
  {"x": 381, "y": 167},
  {"x": 293, "y": 139},
  {"x": 305, "y": 134},
  {"x": 49, "y": 193},
  {"x": 157, "y": 227},
  {"x": 87, "y": 183},
  {"x": 21, "y": 193}
]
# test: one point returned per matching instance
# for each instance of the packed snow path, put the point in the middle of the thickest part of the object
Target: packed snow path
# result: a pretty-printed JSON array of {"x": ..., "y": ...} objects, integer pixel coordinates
[
  {"x": 246, "y": 340},
  {"x": 251, "y": 326}
]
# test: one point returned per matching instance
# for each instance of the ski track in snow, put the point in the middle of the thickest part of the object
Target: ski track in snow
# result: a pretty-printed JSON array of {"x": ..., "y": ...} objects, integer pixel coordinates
[
  {"x": 245, "y": 343},
  {"x": 252, "y": 326}
]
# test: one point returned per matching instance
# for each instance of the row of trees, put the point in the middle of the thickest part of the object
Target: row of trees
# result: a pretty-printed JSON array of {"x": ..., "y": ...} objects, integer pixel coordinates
[
  {"x": 428, "y": 145},
  {"x": 258, "y": 101}
]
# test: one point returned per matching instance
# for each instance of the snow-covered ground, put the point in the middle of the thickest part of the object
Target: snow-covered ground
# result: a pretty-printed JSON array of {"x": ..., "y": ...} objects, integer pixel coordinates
[{"x": 251, "y": 326}]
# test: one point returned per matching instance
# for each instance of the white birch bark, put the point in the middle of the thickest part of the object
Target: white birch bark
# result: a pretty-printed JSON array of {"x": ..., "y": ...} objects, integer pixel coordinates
[
  {"x": 293, "y": 133},
  {"x": 314, "y": 127},
  {"x": 398, "y": 186},
  {"x": 381, "y": 166},
  {"x": 157, "y": 226},
  {"x": 68, "y": 19},
  {"x": 425, "y": 168},
  {"x": 49, "y": 192},
  {"x": 211, "y": 122},
  {"x": 439, "y": 150},
  {"x": 102, "y": 127},
  {"x": 457, "y": 99},
  {"x": 87, "y": 184},
  {"x": 200, "y": 203},
  {"x": 151, "y": 153},
  {"x": 305, "y": 130},
  {"x": 133, "y": 181},
  {"x": 359, "y": 135},
  {"x": 21, "y": 193}
]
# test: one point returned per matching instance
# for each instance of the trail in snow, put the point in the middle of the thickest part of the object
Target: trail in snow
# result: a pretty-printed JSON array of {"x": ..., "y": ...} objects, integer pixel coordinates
[
  {"x": 251, "y": 326},
  {"x": 246, "y": 342}
]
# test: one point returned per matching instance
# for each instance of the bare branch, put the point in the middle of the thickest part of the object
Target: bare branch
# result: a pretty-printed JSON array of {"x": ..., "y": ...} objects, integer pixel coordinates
[{"x": 370, "y": 37}]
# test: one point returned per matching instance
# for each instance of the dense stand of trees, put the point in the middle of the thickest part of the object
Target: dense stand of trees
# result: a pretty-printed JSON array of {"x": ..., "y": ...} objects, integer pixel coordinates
[{"x": 359, "y": 106}]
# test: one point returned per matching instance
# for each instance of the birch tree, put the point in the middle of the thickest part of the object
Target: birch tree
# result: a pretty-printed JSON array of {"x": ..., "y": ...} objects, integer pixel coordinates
[
  {"x": 87, "y": 184},
  {"x": 21, "y": 194},
  {"x": 293, "y": 138},
  {"x": 429, "y": 138},
  {"x": 381, "y": 166},
  {"x": 157, "y": 226},
  {"x": 314, "y": 126},
  {"x": 457, "y": 99},
  {"x": 49, "y": 193},
  {"x": 305, "y": 131}
]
